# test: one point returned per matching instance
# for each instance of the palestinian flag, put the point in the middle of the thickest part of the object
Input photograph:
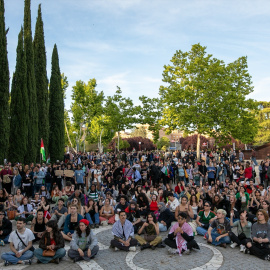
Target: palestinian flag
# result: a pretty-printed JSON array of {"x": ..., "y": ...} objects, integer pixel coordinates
[{"x": 42, "y": 150}]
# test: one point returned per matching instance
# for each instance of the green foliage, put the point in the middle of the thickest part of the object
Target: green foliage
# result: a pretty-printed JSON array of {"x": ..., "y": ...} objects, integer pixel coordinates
[
  {"x": 33, "y": 144},
  {"x": 204, "y": 95},
  {"x": 124, "y": 145},
  {"x": 4, "y": 87},
  {"x": 150, "y": 112},
  {"x": 41, "y": 82},
  {"x": 18, "y": 129},
  {"x": 163, "y": 143},
  {"x": 263, "y": 117},
  {"x": 56, "y": 111},
  {"x": 64, "y": 83},
  {"x": 120, "y": 111}
]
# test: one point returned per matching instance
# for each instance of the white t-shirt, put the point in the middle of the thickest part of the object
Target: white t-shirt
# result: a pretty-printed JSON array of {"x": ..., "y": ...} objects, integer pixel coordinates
[
  {"x": 98, "y": 173},
  {"x": 26, "y": 237}
]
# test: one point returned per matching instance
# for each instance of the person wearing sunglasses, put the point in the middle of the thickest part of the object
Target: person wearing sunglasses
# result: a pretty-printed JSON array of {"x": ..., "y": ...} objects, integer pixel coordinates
[{"x": 204, "y": 218}]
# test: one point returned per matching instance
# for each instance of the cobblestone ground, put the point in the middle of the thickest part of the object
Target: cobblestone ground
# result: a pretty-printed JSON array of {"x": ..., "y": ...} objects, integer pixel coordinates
[{"x": 209, "y": 257}]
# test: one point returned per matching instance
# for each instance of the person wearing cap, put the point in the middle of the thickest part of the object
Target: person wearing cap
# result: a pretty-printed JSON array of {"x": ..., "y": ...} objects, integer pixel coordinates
[{"x": 84, "y": 243}]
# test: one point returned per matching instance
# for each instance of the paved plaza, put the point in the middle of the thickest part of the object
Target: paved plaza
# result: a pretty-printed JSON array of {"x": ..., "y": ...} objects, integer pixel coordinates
[{"x": 209, "y": 257}]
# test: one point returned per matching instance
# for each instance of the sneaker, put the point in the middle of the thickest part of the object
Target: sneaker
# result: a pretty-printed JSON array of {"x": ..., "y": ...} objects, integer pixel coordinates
[
  {"x": 145, "y": 246},
  {"x": 27, "y": 262},
  {"x": 56, "y": 261},
  {"x": 104, "y": 223},
  {"x": 223, "y": 245},
  {"x": 38, "y": 261},
  {"x": 115, "y": 249},
  {"x": 97, "y": 225},
  {"x": 172, "y": 251},
  {"x": 153, "y": 247},
  {"x": 242, "y": 248},
  {"x": 92, "y": 226},
  {"x": 132, "y": 249},
  {"x": 2, "y": 243},
  {"x": 267, "y": 257},
  {"x": 7, "y": 263},
  {"x": 233, "y": 245},
  {"x": 246, "y": 251},
  {"x": 186, "y": 252}
]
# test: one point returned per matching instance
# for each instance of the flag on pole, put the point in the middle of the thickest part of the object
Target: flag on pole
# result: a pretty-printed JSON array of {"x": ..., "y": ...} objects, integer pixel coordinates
[{"x": 42, "y": 150}]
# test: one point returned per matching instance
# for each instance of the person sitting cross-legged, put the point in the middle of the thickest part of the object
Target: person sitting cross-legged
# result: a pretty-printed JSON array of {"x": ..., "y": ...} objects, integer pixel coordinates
[
  {"x": 218, "y": 231},
  {"x": 5, "y": 228},
  {"x": 180, "y": 238},
  {"x": 20, "y": 244},
  {"x": 84, "y": 243},
  {"x": 150, "y": 229},
  {"x": 53, "y": 242},
  {"x": 123, "y": 233}
]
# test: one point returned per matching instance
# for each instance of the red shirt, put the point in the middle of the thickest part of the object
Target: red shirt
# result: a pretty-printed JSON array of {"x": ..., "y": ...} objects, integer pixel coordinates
[
  {"x": 248, "y": 172},
  {"x": 178, "y": 190},
  {"x": 153, "y": 206}
]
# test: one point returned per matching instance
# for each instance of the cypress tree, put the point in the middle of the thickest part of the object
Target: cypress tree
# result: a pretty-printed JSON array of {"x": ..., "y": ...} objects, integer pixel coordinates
[
  {"x": 4, "y": 87},
  {"x": 32, "y": 146},
  {"x": 56, "y": 111},
  {"x": 19, "y": 101},
  {"x": 41, "y": 82}
]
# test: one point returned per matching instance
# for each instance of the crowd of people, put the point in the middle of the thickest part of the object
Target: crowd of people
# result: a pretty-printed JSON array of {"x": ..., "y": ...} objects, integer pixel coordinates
[{"x": 140, "y": 194}]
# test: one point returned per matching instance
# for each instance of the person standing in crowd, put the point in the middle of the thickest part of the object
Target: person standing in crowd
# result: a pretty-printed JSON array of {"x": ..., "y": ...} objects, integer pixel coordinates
[
  {"x": 6, "y": 178},
  {"x": 123, "y": 233},
  {"x": 51, "y": 245},
  {"x": 39, "y": 178},
  {"x": 79, "y": 177},
  {"x": 84, "y": 244},
  {"x": 20, "y": 245}
]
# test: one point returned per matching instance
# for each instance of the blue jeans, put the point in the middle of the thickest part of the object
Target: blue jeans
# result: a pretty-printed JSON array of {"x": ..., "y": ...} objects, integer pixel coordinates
[
  {"x": 254, "y": 161},
  {"x": 11, "y": 257},
  {"x": 222, "y": 240},
  {"x": 201, "y": 231},
  {"x": 48, "y": 187},
  {"x": 162, "y": 228},
  {"x": 60, "y": 253},
  {"x": 6, "y": 239},
  {"x": 37, "y": 187},
  {"x": 96, "y": 218}
]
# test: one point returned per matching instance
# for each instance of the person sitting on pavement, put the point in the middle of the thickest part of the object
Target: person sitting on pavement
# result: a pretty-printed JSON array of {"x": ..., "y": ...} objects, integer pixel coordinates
[
  {"x": 218, "y": 231},
  {"x": 150, "y": 229},
  {"x": 106, "y": 213},
  {"x": 84, "y": 243},
  {"x": 133, "y": 215},
  {"x": 77, "y": 194},
  {"x": 71, "y": 222},
  {"x": 166, "y": 217},
  {"x": 123, "y": 233},
  {"x": 243, "y": 229},
  {"x": 5, "y": 228},
  {"x": 25, "y": 210},
  {"x": 185, "y": 207},
  {"x": 180, "y": 238},
  {"x": 38, "y": 225},
  {"x": 259, "y": 245},
  {"x": 204, "y": 218},
  {"x": 91, "y": 213},
  {"x": 121, "y": 206},
  {"x": 59, "y": 211},
  {"x": 53, "y": 242},
  {"x": 172, "y": 203},
  {"x": 20, "y": 245}
]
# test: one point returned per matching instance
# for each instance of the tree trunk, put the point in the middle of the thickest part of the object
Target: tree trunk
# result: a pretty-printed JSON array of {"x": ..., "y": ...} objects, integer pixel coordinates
[
  {"x": 118, "y": 140},
  {"x": 198, "y": 146},
  {"x": 69, "y": 138}
]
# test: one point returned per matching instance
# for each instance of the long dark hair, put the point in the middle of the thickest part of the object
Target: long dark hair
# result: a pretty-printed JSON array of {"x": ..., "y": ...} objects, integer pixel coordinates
[
  {"x": 79, "y": 232},
  {"x": 53, "y": 224},
  {"x": 153, "y": 216}
]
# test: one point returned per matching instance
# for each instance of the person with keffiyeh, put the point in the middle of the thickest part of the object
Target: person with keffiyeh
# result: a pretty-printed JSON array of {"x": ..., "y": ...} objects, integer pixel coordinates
[
  {"x": 180, "y": 238},
  {"x": 123, "y": 233}
]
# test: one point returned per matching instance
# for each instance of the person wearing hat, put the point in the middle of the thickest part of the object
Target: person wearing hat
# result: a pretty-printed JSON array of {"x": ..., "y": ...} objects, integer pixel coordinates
[{"x": 84, "y": 243}]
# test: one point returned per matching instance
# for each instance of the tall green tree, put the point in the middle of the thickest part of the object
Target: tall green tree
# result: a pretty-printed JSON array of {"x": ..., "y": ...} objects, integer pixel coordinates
[
  {"x": 120, "y": 112},
  {"x": 204, "y": 96},
  {"x": 263, "y": 117},
  {"x": 41, "y": 82},
  {"x": 56, "y": 111},
  {"x": 4, "y": 86},
  {"x": 19, "y": 101},
  {"x": 33, "y": 144}
]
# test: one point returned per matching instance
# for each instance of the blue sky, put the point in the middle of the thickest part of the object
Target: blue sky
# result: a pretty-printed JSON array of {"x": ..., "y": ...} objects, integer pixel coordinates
[{"x": 126, "y": 43}]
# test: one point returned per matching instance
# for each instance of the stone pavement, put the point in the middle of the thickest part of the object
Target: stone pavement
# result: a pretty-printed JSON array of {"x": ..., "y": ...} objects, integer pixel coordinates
[{"x": 209, "y": 257}]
